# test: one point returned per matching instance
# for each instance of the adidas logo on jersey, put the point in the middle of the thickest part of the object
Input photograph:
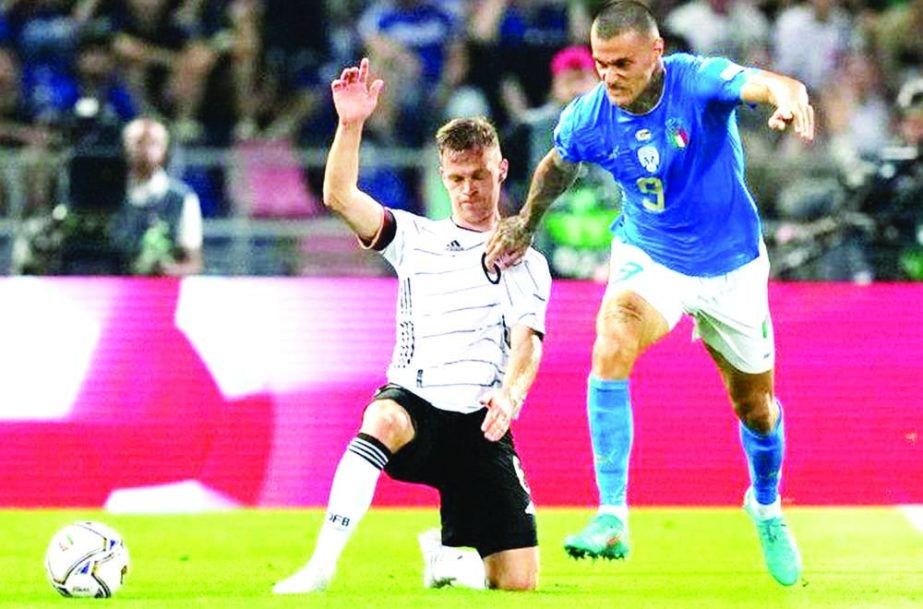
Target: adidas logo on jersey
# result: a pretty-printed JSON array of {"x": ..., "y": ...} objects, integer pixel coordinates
[{"x": 453, "y": 246}]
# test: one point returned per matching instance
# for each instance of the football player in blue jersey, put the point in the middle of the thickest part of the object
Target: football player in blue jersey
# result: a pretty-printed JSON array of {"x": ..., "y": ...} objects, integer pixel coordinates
[{"x": 688, "y": 241}]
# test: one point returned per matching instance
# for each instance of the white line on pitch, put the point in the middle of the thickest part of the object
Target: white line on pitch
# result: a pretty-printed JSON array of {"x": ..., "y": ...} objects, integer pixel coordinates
[{"x": 914, "y": 514}]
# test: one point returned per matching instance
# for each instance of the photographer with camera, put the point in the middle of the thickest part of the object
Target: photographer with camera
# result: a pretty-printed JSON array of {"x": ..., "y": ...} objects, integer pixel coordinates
[
  {"x": 893, "y": 196},
  {"x": 860, "y": 217},
  {"x": 158, "y": 230}
]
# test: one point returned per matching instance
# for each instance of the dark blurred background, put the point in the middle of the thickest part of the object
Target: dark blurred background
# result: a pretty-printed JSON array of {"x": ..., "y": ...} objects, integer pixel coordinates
[{"x": 243, "y": 89}]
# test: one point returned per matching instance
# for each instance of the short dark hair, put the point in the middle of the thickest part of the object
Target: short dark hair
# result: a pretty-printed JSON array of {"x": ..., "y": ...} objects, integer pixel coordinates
[
  {"x": 619, "y": 16},
  {"x": 461, "y": 134}
]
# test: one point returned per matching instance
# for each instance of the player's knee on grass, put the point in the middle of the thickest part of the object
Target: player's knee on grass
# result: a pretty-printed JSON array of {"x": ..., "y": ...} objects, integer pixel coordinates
[
  {"x": 515, "y": 570},
  {"x": 387, "y": 421}
]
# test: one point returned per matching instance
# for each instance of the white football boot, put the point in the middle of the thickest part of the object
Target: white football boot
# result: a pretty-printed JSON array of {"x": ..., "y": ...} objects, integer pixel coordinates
[{"x": 309, "y": 578}]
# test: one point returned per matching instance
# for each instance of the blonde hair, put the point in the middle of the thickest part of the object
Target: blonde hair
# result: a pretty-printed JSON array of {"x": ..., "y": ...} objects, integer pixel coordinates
[{"x": 461, "y": 134}]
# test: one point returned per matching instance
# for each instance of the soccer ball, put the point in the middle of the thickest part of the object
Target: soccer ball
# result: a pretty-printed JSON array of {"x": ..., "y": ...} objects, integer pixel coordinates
[{"x": 86, "y": 559}]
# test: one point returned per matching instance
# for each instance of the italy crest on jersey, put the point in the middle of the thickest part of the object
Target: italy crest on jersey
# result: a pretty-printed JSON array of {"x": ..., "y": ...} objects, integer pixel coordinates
[
  {"x": 677, "y": 134},
  {"x": 649, "y": 158}
]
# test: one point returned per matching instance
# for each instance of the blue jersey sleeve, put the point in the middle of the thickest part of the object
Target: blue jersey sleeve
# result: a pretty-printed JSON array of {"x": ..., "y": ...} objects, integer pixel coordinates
[
  {"x": 579, "y": 134},
  {"x": 565, "y": 140},
  {"x": 719, "y": 79}
]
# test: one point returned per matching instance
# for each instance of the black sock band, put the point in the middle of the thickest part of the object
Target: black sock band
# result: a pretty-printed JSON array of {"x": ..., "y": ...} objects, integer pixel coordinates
[{"x": 371, "y": 449}]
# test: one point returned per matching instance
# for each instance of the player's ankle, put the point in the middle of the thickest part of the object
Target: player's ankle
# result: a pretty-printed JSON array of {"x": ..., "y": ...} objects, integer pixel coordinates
[
  {"x": 619, "y": 511},
  {"x": 763, "y": 511}
]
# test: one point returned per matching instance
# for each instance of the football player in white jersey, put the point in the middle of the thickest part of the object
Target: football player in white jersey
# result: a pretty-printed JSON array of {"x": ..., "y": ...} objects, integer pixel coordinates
[{"x": 468, "y": 346}]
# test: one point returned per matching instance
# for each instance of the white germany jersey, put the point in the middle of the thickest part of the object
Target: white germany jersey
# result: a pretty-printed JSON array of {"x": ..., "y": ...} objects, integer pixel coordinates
[{"x": 453, "y": 322}]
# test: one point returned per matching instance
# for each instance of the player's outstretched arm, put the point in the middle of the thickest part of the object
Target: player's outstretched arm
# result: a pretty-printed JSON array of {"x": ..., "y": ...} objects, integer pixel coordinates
[
  {"x": 513, "y": 236},
  {"x": 503, "y": 404},
  {"x": 790, "y": 98},
  {"x": 355, "y": 99}
]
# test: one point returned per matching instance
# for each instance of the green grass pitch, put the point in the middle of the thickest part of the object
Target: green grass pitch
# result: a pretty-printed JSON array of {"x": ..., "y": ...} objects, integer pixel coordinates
[{"x": 682, "y": 559}]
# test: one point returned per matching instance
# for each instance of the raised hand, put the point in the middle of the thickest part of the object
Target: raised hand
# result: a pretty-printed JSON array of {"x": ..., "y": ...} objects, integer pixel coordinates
[{"x": 354, "y": 98}]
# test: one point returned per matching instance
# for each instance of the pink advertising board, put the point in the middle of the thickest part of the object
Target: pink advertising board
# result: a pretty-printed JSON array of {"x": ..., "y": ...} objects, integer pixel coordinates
[{"x": 252, "y": 387}]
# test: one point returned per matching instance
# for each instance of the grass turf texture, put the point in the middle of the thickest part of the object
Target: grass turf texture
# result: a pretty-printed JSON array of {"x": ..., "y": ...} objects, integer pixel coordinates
[{"x": 682, "y": 559}]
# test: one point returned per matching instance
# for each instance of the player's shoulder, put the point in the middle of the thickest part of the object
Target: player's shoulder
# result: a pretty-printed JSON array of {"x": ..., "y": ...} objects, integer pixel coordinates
[
  {"x": 686, "y": 64},
  {"x": 402, "y": 215},
  {"x": 535, "y": 256},
  {"x": 536, "y": 265},
  {"x": 406, "y": 219},
  {"x": 678, "y": 61},
  {"x": 682, "y": 66},
  {"x": 584, "y": 109},
  {"x": 419, "y": 229},
  {"x": 703, "y": 76}
]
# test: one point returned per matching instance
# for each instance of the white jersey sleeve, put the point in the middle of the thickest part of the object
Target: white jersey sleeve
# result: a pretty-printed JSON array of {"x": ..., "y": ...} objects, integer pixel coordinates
[
  {"x": 527, "y": 290},
  {"x": 407, "y": 229}
]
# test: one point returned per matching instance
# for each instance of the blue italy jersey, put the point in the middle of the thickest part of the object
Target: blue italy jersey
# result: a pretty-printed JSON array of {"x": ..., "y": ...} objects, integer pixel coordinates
[{"x": 680, "y": 166}]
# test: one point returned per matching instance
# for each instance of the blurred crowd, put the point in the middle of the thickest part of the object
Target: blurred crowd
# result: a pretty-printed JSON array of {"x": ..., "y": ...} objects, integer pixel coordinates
[{"x": 223, "y": 74}]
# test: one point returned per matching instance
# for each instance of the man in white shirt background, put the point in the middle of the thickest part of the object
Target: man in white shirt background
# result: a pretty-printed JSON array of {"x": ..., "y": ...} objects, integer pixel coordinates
[{"x": 159, "y": 228}]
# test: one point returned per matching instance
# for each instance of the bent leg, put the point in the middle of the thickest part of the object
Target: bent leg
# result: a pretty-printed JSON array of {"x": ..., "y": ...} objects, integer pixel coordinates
[
  {"x": 762, "y": 435},
  {"x": 389, "y": 423},
  {"x": 386, "y": 428},
  {"x": 625, "y": 327},
  {"x": 512, "y": 569},
  {"x": 751, "y": 394},
  {"x": 761, "y": 429}
]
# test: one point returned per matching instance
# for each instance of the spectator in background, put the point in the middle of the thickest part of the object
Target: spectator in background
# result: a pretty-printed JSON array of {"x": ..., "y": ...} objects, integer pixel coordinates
[
  {"x": 280, "y": 49},
  {"x": 511, "y": 42},
  {"x": 14, "y": 116},
  {"x": 573, "y": 73},
  {"x": 735, "y": 29},
  {"x": 416, "y": 44},
  {"x": 43, "y": 33},
  {"x": 895, "y": 194},
  {"x": 818, "y": 229},
  {"x": 910, "y": 106},
  {"x": 575, "y": 236},
  {"x": 35, "y": 176},
  {"x": 857, "y": 111},
  {"x": 159, "y": 228},
  {"x": 169, "y": 50},
  {"x": 830, "y": 31},
  {"x": 97, "y": 76},
  {"x": 897, "y": 38}
]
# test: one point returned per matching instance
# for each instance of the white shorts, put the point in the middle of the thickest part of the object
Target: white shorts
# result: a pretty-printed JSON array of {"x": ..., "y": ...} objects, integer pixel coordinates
[{"x": 731, "y": 311}]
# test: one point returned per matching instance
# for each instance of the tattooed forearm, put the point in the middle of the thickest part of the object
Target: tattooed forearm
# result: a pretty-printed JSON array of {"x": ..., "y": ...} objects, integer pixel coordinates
[{"x": 552, "y": 177}]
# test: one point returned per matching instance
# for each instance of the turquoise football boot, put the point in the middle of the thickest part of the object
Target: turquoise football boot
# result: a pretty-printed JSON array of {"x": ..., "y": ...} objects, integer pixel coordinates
[
  {"x": 605, "y": 537},
  {"x": 779, "y": 549}
]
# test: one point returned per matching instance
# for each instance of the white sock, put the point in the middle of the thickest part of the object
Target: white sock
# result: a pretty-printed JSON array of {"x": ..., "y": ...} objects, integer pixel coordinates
[
  {"x": 764, "y": 512},
  {"x": 350, "y": 498},
  {"x": 619, "y": 511},
  {"x": 465, "y": 567}
]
